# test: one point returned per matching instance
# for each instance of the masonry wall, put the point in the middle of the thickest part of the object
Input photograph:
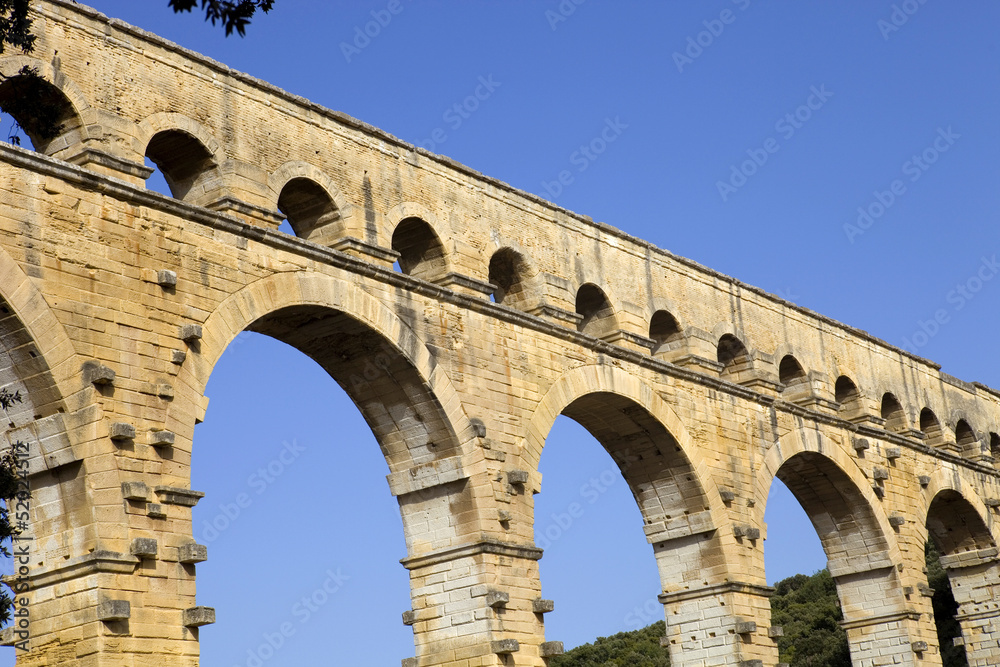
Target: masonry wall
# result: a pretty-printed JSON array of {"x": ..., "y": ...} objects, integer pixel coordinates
[{"x": 128, "y": 298}]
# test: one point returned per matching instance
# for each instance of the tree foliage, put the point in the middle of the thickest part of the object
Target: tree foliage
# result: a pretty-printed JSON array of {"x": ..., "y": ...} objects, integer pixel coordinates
[
  {"x": 231, "y": 15},
  {"x": 639, "y": 648}
]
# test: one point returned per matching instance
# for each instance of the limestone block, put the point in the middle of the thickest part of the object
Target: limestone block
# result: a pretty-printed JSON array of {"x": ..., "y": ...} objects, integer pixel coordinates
[
  {"x": 114, "y": 610},
  {"x": 192, "y": 553},
  {"x": 196, "y": 617}
]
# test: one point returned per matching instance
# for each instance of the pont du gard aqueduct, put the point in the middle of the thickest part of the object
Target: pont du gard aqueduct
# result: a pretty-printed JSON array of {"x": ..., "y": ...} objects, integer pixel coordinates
[{"x": 462, "y": 316}]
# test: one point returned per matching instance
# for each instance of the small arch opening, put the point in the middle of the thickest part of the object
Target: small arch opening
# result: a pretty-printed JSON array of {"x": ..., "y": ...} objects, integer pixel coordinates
[
  {"x": 184, "y": 162},
  {"x": 966, "y": 438},
  {"x": 665, "y": 330},
  {"x": 790, "y": 372},
  {"x": 733, "y": 355},
  {"x": 995, "y": 447},
  {"x": 35, "y": 109},
  {"x": 892, "y": 413},
  {"x": 421, "y": 253},
  {"x": 508, "y": 271},
  {"x": 595, "y": 309},
  {"x": 307, "y": 208},
  {"x": 930, "y": 427},
  {"x": 847, "y": 394}
]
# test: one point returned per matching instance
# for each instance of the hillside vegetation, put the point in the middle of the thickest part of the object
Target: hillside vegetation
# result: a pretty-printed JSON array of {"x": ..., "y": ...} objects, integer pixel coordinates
[{"x": 806, "y": 607}]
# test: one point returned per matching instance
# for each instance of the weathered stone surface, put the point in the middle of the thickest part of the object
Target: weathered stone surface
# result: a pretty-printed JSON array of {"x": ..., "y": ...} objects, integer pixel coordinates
[
  {"x": 699, "y": 422},
  {"x": 196, "y": 617}
]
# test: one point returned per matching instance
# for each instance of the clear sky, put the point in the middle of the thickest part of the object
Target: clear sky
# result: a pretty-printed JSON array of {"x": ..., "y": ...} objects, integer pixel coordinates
[{"x": 841, "y": 155}]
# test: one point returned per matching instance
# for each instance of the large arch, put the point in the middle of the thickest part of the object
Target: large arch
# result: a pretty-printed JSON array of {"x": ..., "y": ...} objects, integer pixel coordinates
[
  {"x": 857, "y": 537},
  {"x": 376, "y": 356},
  {"x": 682, "y": 510},
  {"x": 961, "y": 527}
]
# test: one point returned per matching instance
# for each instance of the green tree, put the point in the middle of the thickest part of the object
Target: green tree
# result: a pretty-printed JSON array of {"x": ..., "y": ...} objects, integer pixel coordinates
[
  {"x": 638, "y": 648},
  {"x": 808, "y": 610}
]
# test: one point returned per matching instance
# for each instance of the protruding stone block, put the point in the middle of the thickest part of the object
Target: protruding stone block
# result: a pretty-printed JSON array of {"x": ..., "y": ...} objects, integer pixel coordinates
[
  {"x": 739, "y": 530},
  {"x": 880, "y": 473},
  {"x": 135, "y": 491},
  {"x": 896, "y": 520},
  {"x": 409, "y": 617},
  {"x": 478, "y": 427},
  {"x": 505, "y": 646},
  {"x": 746, "y": 627},
  {"x": 192, "y": 553},
  {"x": 504, "y": 516},
  {"x": 155, "y": 511},
  {"x": 540, "y": 606},
  {"x": 550, "y": 649},
  {"x": 925, "y": 590},
  {"x": 519, "y": 477},
  {"x": 178, "y": 356},
  {"x": 161, "y": 438},
  {"x": 892, "y": 453},
  {"x": 992, "y": 502},
  {"x": 497, "y": 599},
  {"x": 94, "y": 372},
  {"x": 727, "y": 495},
  {"x": 878, "y": 490},
  {"x": 775, "y": 631},
  {"x": 143, "y": 547},
  {"x": 114, "y": 610},
  {"x": 860, "y": 444},
  {"x": 121, "y": 431},
  {"x": 166, "y": 278},
  {"x": 919, "y": 647},
  {"x": 752, "y": 533},
  {"x": 195, "y": 617},
  {"x": 958, "y": 641},
  {"x": 189, "y": 333},
  {"x": 176, "y": 495},
  {"x": 924, "y": 480}
]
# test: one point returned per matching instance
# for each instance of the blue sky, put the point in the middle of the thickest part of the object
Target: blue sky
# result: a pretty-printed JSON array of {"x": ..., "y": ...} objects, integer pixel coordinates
[{"x": 841, "y": 155}]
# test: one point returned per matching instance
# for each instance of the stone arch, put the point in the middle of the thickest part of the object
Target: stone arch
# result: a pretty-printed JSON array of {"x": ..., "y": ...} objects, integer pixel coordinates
[
  {"x": 598, "y": 317},
  {"x": 516, "y": 278},
  {"x": 848, "y": 397},
  {"x": 682, "y": 509},
  {"x": 73, "y": 109},
  {"x": 893, "y": 413},
  {"x": 401, "y": 211},
  {"x": 735, "y": 357},
  {"x": 966, "y": 438},
  {"x": 297, "y": 169},
  {"x": 37, "y": 357},
  {"x": 856, "y": 535},
  {"x": 422, "y": 252},
  {"x": 258, "y": 302},
  {"x": 186, "y": 152},
  {"x": 930, "y": 426},
  {"x": 666, "y": 330},
  {"x": 310, "y": 210}
]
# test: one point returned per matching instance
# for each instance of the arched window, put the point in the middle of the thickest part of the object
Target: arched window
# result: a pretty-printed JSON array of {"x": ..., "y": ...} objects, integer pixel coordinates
[
  {"x": 38, "y": 108},
  {"x": 968, "y": 444},
  {"x": 508, "y": 270},
  {"x": 790, "y": 372},
  {"x": 308, "y": 208},
  {"x": 892, "y": 413},
  {"x": 421, "y": 253},
  {"x": 186, "y": 165},
  {"x": 595, "y": 309},
  {"x": 664, "y": 329},
  {"x": 930, "y": 427},
  {"x": 733, "y": 355},
  {"x": 847, "y": 395}
]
